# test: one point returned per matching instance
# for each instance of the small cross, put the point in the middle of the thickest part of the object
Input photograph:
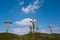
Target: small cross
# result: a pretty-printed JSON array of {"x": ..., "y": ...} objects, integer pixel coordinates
[
  {"x": 37, "y": 29},
  {"x": 7, "y": 25}
]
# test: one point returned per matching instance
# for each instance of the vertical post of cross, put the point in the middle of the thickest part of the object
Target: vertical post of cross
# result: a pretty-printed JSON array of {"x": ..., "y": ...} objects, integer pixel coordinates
[
  {"x": 33, "y": 26},
  {"x": 7, "y": 25}
]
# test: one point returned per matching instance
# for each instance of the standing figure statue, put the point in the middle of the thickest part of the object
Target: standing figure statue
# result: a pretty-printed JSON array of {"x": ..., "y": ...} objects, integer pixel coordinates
[
  {"x": 33, "y": 25},
  {"x": 50, "y": 26}
]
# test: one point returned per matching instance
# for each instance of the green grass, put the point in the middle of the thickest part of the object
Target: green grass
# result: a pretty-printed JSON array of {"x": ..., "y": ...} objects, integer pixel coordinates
[{"x": 29, "y": 36}]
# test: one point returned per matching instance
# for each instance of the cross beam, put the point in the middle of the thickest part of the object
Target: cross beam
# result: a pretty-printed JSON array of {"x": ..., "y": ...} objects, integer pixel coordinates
[{"x": 7, "y": 25}]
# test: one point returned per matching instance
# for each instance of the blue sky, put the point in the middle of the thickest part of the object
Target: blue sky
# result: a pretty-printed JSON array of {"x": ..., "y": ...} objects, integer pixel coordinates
[{"x": 44, "y": 12}]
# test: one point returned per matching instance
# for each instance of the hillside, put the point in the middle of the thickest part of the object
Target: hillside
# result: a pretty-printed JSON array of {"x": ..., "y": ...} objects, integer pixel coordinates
[{"x": 29, "y": 36}]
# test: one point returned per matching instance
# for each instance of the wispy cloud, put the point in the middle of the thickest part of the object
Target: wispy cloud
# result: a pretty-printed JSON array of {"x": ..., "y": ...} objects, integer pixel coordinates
[
  {"x": 21, "y": 3},
  {"x": 56, "y": 29},
  {"x": 44, "y": 31},
  {"x": 31, "y": 8},
  {"x": 20, "y": 31},
  {"x": 25, "y": 21}
]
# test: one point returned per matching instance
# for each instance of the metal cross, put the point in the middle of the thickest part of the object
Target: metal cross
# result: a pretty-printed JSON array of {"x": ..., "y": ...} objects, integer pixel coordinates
[{"x": 7, "y": 25}]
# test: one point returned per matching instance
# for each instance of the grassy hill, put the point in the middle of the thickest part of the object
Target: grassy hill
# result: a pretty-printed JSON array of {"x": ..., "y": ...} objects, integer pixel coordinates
[{"x": 29, "y": 36}]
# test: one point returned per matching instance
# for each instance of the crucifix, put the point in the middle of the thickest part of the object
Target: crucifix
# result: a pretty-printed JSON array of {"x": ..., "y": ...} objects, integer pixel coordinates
[
  {"x": 7, "y": 25},
  {"x": 33, "y": 26},
  {"x": 50, "y": 26}
]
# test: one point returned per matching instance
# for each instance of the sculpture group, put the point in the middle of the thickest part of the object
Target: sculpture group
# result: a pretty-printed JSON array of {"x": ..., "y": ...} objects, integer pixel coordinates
[{"x": 32, "y": 27}]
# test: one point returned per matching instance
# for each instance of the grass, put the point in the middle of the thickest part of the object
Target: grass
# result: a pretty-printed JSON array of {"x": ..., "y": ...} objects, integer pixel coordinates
[{"x": 29, "y": 36}]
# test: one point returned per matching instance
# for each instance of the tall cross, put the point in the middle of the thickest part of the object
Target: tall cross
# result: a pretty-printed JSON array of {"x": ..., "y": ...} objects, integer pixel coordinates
[
  {"x": 50, "y": 26},
  {"x": 33, "y": 26},
  {"x": 7, "y": 25}
]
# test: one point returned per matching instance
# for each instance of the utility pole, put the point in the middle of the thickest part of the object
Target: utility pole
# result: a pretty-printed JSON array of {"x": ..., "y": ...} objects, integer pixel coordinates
[
  {"x": 33, "y": 26},
  {"x": 50, "y": 26},
  {"x": 7, "y": 25}
]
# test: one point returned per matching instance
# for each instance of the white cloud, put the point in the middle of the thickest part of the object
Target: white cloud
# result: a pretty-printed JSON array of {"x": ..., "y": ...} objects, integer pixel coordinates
[
  {"x": 27, "y": 9},
  {"x": 56, "y": 30},
  {"x": 25, "y": 21},
  {"x": 44, "y": 31},
  {"x": 32, "y": 7},
  {"x": 20, "y": 31}
]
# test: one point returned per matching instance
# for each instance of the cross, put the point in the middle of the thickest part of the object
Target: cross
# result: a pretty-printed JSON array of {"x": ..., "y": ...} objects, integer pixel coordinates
[
  {"x": 37, "y": 29},
  {"x": 30, "y": 28},
  {"x": 33, "y": 26},
  {"x": 50, "y": 26},
  {"x": 7, "y": 25}
]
